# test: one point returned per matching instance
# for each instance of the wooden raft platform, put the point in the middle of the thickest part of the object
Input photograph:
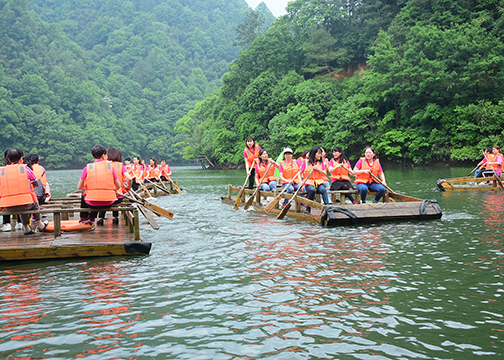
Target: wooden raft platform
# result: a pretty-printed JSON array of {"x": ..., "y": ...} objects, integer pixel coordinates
[
  {"x": 342, "y": 213},
  {"x": 469, "y": 183},
  {"x": 155, "y": 191},
  {"x": 107, "y": 240}
]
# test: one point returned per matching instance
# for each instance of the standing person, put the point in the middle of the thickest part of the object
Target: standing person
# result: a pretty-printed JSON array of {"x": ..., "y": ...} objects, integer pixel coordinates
[
  {"x": 165, "y": 171},
  {"x": 367, "y": 165},
  {"x": 99, "y": 181},
  {"x": 315, "y": 182},
  {"x": 270, "y": 181},
  {"x": 251, "y": 154},
  {"x": 115, "y": 158},
  {"x": 16, "y": 190},
  {"x": 32, "y": 160},
  {"x": 288, "y": 168},
  {"x": 339, "y": 175}
]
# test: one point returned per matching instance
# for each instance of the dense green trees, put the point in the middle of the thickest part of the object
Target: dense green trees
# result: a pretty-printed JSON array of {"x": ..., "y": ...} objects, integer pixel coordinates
[
  {"x": 420, "y": 80},
  {"x": 73, "y": 73}
]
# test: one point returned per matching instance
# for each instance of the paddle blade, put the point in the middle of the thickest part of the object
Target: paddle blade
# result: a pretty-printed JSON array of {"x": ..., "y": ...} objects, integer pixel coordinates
[
  {"x": 158, "y": 210},
  {"x": 176, "y": 187},
  {"x": 284, "y": 211},
  {"x": 148, "y": 217},
  {"x": 238, "y": 200},
  {"x": 272, "y": 204},
  {"x": 249, "y": 202}
]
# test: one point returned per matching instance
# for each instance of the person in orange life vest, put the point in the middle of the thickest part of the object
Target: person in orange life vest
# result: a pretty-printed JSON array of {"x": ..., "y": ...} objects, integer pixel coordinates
[
  {"x": 494, "y": 163},
  {"x": 364, "y": 182},
  {"x": 315, "y": 183},
  {"x": 99, "y": 180},
  {"x": 339, "y": 175},
  {"x": 7, "y": 218},
  {"x": 483, "y": 164},
  {"x": 270, "y": 181},
  {"x": 326, "y": 162},
  {"x": 288, "y": 168},
  {"x": 16, "y": 190},
  {"x": 251, "y": 154},
  {"x": 127, "y": 164},
  {"x": 136, "y": 173},
  {"x": 153, "y": 170},
  {"x": 115, "y": 158},
  {"x": 165, "y": 171},
  {"x": 33, "y": 162},
  {"x": 301, "y": 160}
]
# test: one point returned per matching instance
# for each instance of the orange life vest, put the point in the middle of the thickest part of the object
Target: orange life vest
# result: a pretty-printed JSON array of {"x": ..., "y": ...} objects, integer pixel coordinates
[
  {"x": 165, "y": 170},
  {"x": 40, "y": 174},
  {"x": 120, "y": 176},
  {"x": 493, "y": 158},
  {"x": 252, "y": 156},
  {"x": 270, "y": 176},
  {"x": 138, "y": 173},
  {"x": 289, "y": 171},
  {"x": 100, "y": 182},
  {"x": 154, "y": 172},
  {"x": 340, "y": 173},
  {"x": 367, "y": 178},
  {"x": 316, "y": 178},
  {"x": 15, "y": 188}
]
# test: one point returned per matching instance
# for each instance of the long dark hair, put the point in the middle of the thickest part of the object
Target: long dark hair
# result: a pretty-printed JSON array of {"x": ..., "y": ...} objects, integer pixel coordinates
[
  {"x": 342, "y": 157},
  {"x": 314, "y": 152},
  {"x": 31, "y": 159}
]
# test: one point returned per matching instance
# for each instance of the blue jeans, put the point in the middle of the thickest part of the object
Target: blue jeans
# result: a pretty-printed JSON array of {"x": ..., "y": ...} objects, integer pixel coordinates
[
  {"x": 364, "y": 188},
  {"x": 321, "y": 189},
  {"x": 290, "y": 189},
  {"x": 476, "y": 173},
  {"x": 269, "y": 187}
]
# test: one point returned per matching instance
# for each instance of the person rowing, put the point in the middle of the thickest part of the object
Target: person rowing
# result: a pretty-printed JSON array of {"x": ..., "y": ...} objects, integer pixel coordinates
[
  {"x": 289, "y": 173},
  {"x": 364, "y": 169},
  {"x": 339, "y": 168}
]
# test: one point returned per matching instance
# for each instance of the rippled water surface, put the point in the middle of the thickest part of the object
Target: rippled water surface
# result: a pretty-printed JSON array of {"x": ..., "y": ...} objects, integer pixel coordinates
[{"x": 225, "y": 284}]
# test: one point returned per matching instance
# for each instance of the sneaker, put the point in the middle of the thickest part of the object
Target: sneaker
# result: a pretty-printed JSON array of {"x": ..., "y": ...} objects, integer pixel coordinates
[
  {"x": 86, "y": 221},
  {"x": 8, "y": 227},
  {"x": 307, "y": 210},
  {"x": 354, "y": 202},
  {"x": 115, "y": 221},
  {"x": 99, "y": 222},
  {"x": 19, "y": 226}
]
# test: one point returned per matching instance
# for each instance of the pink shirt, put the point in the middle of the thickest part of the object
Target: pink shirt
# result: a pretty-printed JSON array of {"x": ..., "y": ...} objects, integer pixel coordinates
[
  {"x": 359, "y": 165},
  {"x": 98, "y": 203},
  {"x": 252, "y": 151}
]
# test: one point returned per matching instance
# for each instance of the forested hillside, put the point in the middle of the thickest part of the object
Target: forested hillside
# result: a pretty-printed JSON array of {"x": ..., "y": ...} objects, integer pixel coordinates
[
  {"x": 420, "y": 80},
  {"x": 121, "y": 73}
]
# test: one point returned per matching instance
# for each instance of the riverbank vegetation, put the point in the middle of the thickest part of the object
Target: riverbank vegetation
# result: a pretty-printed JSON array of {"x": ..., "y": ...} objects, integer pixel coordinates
[{"x": 420, "y": 80}]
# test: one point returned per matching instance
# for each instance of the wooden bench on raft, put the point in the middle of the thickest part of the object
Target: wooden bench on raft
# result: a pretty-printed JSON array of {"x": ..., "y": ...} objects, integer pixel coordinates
[
  {"x": 63, "y": 209},
  {"x": 333, "y": 195}
]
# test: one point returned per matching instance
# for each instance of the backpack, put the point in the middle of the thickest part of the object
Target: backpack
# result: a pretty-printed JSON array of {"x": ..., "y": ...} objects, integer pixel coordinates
[{"x": 39, "y": 190}]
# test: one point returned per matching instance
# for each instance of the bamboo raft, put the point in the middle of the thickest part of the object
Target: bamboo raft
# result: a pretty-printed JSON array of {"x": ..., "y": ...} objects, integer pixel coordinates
[
  {"x": 156, "y": 191},
  {"x": 107, "y": 240},
  {"x": 469, "y": 183},
  {"x": 395, "y": 207}
]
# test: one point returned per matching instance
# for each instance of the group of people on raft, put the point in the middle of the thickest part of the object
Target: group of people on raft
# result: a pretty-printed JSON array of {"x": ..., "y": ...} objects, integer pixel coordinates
[
  {"x": 24, "y": 186},
  {"x": 491, "y": 164},
  {"x": 311, "y": 169}
]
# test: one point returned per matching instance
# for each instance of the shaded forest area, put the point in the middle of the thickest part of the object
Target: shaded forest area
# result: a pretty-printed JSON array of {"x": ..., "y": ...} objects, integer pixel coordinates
[
  {"x": 120, "y": 73},
  {"x": 430, "y": 86}
]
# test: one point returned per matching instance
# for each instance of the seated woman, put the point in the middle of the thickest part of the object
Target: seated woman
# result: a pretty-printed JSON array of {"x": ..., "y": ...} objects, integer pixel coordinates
[
  {"x": 270, "y": 181},
  {"x": 365, "y": 168},
  {"x": 315, "y": 181},
  {"x": 153, "y": 171},
  {"x": 16, "y": 190},
  {"x": 339, "y": 175},
  {"x": 289, "y": 169}
]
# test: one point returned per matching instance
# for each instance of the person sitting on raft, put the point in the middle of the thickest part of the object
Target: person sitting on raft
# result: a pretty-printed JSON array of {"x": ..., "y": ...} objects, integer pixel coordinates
[
  {"x": 270, "y": 181},
  {"x": 289, "y": 168},
  {"x": 99, "y": 181},
  {"x": 33, "y": 162},
  {"x": 339, "y": 167},
  {"x": 153, "y": 171},
  {"x": 483, "y": 164},
  {"x": 315, "y": 181},
  {"x": 16, "y": 190},
  {"x": 367, "y": 165},
  {"x": 493, "y": 161},
  {"x": 251, "y": 153},
  {"x": 115, "y": 158},
  {"x": 165, "y": 171}
]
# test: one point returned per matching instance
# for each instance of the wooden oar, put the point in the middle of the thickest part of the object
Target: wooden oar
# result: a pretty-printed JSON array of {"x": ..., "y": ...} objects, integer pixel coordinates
[
  {"x": 175, "y": 186},
  {"x": 386, "y": 187},
  {"x": 154, "y": 208},
  {"x": 164, "y": 185},
  {"x": 240, "y": 194},
  {"x": 473, "y": 170},
  {"x": 287, "y": 207},
  {"x": 160, "y": 187},
  {"x": 275, "y": 201},
  {"x": 496, "y": 177},
  {"x": 152, "y": 222},
  {"x": 251, "y": 198}
]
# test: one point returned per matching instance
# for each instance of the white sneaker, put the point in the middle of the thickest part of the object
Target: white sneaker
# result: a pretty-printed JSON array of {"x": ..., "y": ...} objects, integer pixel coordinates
[
  {"x": 19, "y": 226},
  {"x": 7, "y": 227}
]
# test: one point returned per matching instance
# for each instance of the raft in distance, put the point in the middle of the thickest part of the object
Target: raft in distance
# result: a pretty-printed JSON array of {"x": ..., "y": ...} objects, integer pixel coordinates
[
  {"x": 395, "y": 207},
  {"x": 470, "y": 183}
]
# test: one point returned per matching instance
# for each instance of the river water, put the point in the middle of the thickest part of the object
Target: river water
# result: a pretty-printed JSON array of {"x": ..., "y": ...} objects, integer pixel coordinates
[{"x": 225, "y": 284}]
